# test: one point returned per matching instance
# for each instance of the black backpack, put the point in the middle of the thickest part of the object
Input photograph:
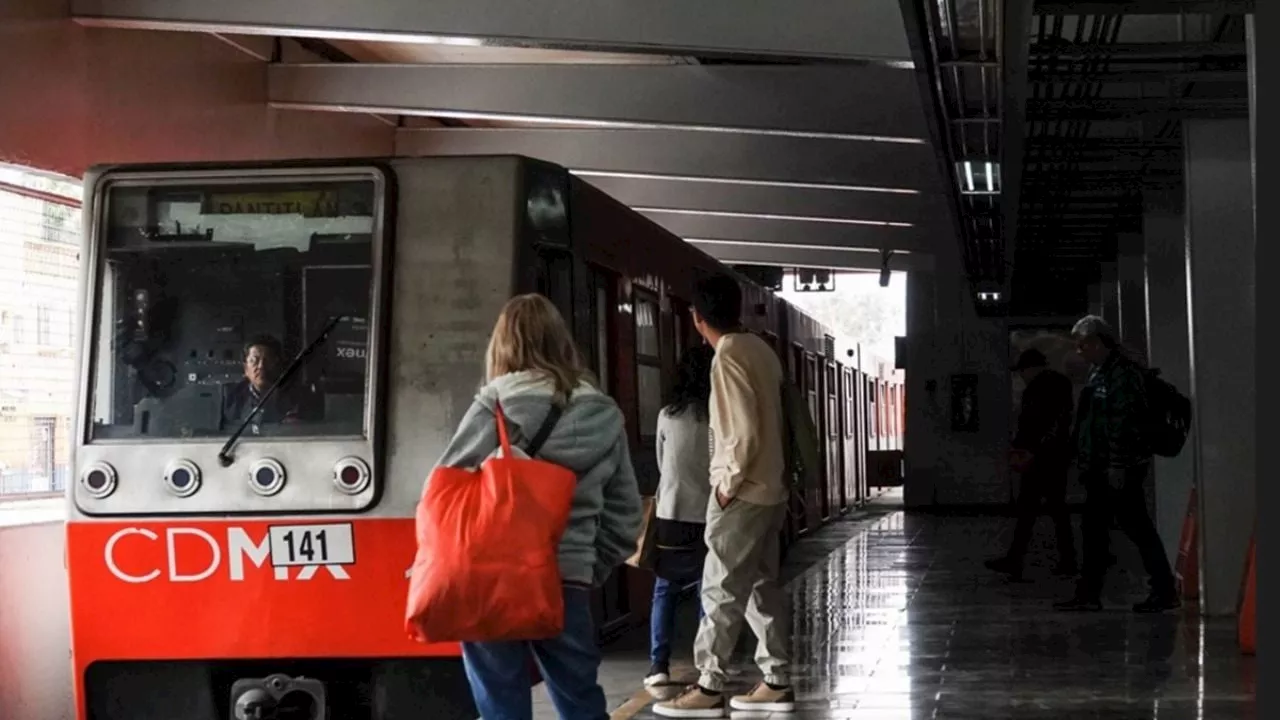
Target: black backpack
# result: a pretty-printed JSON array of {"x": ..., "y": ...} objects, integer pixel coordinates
[{"x": 1168, "y": 416}]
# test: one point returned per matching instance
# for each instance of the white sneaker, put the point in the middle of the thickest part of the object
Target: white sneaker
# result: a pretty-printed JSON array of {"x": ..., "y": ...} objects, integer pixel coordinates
[{"x": 657, "y": 679}]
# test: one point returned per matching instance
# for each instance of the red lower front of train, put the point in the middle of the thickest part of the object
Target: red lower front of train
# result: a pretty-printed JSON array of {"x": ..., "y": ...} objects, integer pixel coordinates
[{"x": 177, "y": 608}]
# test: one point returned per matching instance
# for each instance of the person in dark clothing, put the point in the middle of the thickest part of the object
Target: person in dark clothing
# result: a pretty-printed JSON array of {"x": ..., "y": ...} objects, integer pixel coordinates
[
  {"x": 263, "y": 356},
  {"x": 1115, "y": 461},
  {"x": 1043, "y": 441}
]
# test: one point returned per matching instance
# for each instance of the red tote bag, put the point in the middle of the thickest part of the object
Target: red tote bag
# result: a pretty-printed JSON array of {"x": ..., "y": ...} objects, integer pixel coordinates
[{"x": 486, "y": 567}]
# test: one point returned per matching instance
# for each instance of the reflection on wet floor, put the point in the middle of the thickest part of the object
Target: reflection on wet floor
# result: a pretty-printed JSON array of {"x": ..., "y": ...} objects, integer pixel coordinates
[{"x": 896, "y": 619}]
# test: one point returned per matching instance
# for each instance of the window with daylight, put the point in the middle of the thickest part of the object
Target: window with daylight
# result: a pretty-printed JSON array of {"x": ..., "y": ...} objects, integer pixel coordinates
[{"x": 40, "y": 261}]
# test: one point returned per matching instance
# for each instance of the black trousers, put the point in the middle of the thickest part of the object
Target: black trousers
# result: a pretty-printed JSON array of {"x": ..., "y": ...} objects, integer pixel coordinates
[
  {"x": 1125, "y": 506},
  {"x": 1044, "y": 491}
]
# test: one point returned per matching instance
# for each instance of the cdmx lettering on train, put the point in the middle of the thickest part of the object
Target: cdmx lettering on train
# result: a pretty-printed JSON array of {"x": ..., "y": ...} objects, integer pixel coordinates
[{"x": 281, "y": 548}]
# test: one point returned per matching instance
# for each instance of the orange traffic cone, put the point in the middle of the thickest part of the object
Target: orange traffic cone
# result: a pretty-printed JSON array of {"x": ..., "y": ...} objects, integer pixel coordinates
[
  {"x": 1187, "y": 569},
  {"x": 1248, "y": 600}
]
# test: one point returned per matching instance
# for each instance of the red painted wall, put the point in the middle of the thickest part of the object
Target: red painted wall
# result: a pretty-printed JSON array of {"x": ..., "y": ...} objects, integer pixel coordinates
[{"x": 72, "y": 97}]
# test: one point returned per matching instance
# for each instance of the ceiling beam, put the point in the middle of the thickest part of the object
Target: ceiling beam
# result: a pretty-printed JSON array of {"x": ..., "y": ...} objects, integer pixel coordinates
[
  {"x": 1139, "y": 52},
  {"x": 1128, "y": 109},
  {"x": 1143, "y": 7},
  {"x": 756, "y": 254},
  {"x": 1050, "y": 143},
  {"x": 1120, "y": 75},
  {"x": 800, "y": 232},
  {"x": 729, "y": 157},
  {"x": 870, "y": 30},
  {"x": 805, "y": 202},
  {"x": 833, "y": 101}
]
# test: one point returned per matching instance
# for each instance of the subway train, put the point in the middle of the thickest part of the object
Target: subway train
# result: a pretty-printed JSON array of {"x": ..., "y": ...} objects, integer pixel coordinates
[{"x": 224, "y": 563}]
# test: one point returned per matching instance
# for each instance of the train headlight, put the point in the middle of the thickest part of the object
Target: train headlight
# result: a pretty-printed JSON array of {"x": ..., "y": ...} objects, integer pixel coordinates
[
  {"x": 266, "y": 477},
  {"x": 182, "y": 478},
  {"x": 351, "y": 475},
  {"x": 99, "y": 480}
]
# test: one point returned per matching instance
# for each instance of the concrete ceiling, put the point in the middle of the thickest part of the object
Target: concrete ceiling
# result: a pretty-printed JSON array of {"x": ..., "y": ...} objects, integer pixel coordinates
[{"x": 782, "y": 133}]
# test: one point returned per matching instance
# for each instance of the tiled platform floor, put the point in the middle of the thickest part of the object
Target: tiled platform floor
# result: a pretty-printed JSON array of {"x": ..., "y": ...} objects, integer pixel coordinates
[{"x": 896, "y": 619}]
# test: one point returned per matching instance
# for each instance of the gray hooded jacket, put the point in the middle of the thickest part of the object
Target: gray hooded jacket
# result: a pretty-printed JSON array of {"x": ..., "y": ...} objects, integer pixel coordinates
[{"x": 588, "y": 439}]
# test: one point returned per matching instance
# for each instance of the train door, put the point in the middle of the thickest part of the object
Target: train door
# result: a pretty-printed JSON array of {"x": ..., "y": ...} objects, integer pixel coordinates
[
  {"x": 638, "y": 384},
  {"x": 800, "y": 496},
  {"x": 855, "y": 433},
  {"x": 600, "y": 348},
  {"x": 873, "y": 413},
  {"x": 552, "y": 273},
  {"x": 849, "y": 476},
  {"x": 683, "y": 333},
  {"x": 831, "y": 407},
  {"x": 855, "y": 422},
  {"x": 815, "y": 497},
  {"x": 902, "y": 416}
]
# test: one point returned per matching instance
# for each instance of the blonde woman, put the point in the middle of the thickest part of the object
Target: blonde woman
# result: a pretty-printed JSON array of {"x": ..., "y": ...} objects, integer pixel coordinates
[{"x": 533, "y": 365}]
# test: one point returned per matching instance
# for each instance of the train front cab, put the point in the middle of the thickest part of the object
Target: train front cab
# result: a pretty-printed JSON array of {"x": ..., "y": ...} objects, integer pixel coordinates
[{"x": 199, "y": 577}]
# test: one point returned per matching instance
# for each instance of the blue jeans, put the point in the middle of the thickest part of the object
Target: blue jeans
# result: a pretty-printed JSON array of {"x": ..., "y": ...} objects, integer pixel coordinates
[
  {"x": 662, "y": 620},
  {"x": 499, "y": 671}
]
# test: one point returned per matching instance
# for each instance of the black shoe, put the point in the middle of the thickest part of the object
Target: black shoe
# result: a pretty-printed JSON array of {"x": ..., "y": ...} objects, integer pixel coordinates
[
  {"x": 1158, "y": 603},
  {"x": 1078, "y": 604},
  {"x": 1006, "y": 566}
]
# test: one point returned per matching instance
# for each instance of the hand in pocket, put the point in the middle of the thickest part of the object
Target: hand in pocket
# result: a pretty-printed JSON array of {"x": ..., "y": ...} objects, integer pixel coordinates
[{"x": 724, "y": 501}]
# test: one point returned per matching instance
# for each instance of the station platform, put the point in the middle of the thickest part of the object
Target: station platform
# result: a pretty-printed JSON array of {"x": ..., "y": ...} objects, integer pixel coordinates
[{"x": 895, "y": 618}]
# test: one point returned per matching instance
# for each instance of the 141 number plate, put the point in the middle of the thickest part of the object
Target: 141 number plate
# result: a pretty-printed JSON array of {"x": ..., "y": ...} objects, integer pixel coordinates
[{"x": 294, "y": 545}]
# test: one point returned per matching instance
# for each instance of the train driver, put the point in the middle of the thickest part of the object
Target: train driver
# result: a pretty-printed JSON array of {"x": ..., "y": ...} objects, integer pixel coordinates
[{"x": 263, "y": 360}]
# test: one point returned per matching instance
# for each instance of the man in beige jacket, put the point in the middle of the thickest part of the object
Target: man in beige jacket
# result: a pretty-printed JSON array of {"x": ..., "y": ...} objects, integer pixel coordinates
[{"x": 745, "y": 515}]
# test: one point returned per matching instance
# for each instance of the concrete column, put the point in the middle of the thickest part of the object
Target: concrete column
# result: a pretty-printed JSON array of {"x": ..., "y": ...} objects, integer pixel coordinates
[
  {"x": 1169, "y": 351},
  {"x": 1221, "y": 304},
  {"x": 1131, "y": 310},
  {"x": 1104, "y": 295},
  {"x": 1131, "y": 293},
  {"x": 945, "y": 337},
  {"x": 1095, "y": 299},
  {"x": 924, "y": 391},
  {"x": 1250, "y": 32}
]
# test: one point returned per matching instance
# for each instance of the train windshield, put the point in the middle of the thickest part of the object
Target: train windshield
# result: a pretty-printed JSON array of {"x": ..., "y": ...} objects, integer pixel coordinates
[{"x": 207, "y": 291}]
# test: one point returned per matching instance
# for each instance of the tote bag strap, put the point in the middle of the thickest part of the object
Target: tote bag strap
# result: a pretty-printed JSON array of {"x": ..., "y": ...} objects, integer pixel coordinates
[
  {"x": 504, "y": 441},
  {"x": 539, "y": 438}
]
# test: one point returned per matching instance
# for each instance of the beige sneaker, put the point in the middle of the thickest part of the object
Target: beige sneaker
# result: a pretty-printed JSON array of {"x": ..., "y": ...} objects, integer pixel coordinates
[
  {"x": 765, "y": 699},
  {"x": 693, "y": 703}
]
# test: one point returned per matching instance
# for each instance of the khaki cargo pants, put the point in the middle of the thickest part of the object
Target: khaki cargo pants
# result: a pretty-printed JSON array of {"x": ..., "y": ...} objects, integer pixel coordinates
[{"x": 740, "y": 581}]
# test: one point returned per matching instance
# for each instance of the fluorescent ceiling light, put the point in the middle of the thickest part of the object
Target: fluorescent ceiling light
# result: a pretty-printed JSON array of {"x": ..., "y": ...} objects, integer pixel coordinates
[
  {"x": 972, "y": 174},
  {"x": 774, "y": 216},
  {"x": 621, "y": 175}
]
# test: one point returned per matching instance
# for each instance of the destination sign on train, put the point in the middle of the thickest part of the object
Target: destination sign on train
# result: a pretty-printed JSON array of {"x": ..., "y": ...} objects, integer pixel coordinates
[{"x": 308, "y": 203}]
